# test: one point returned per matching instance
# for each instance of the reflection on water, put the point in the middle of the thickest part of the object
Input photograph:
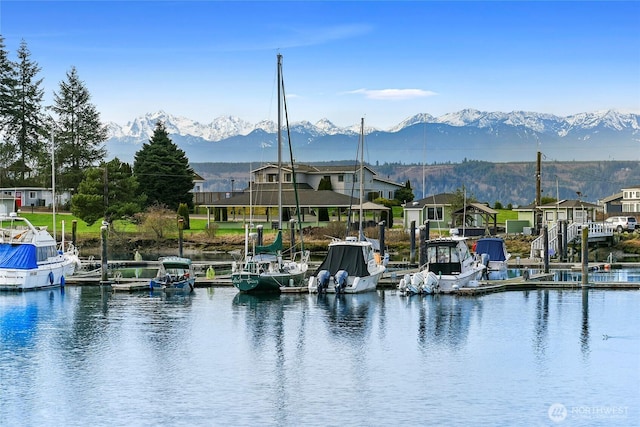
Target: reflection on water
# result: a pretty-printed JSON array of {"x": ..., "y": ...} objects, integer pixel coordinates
[{"x": 87, "y": 356}]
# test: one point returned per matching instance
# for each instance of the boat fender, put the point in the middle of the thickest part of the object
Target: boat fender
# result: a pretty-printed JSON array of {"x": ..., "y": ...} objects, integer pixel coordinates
[
  {"x": 51, "y": 278},
  {"x": 62, "y": 281}
]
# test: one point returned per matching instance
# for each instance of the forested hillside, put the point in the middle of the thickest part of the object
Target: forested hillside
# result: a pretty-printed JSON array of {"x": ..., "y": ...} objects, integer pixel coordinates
[{"x": 506, "y": 183}]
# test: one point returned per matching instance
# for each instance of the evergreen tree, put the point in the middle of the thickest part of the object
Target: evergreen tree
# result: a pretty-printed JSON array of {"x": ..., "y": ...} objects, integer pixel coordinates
[
  {"x": 109, "y": 191},
  {"x": 404, "y": 195},
  {"x": 164, "y": 170},
  {"x": 25, "y": 128},
  {"x": 79, "y": 134},
  {"x": 8, "y": 84}
]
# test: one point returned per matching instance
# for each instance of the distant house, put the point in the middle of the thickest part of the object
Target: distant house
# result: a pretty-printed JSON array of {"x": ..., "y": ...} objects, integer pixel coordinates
[
  {"x": 631, "y": 200},
  {"x": 198, "y": 183},
  {"x": 34, "y": 196},
  {"x": 626, "y": 202},
  {"x": 345, "y": 193},
  {"x": 569, "y": 210},
  {"x": 344, "y": 179},
  {"x": 612, "y": 204},
  {"x": 436, "y": 209}
]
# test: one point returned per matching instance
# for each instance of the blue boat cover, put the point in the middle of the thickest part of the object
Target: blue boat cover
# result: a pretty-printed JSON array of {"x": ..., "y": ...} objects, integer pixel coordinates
[
  {"x": 22, "y": 257},
  {"x": 493, "y": 246}
]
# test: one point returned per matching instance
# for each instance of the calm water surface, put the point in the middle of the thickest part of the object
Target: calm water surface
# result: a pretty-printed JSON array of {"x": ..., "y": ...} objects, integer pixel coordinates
[{"x": 87, "y": 357}]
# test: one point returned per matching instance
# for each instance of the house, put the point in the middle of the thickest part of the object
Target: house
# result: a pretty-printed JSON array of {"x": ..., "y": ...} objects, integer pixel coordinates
[
  {"x": 34, "y": 196},
  {"x": 198, "y": 183},
  {"x": 570, "y": 210},
  {"x": 436, "y": 209},
  {"x": 343, "y": 179},
  {"x": 344, "y": 195},
  {"x": 631, "y": 200}
]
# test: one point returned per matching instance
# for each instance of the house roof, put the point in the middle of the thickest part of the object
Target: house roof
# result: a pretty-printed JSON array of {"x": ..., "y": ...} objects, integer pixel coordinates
[
  {"x": 613, "y": 198},
  {"x": 434, "y": 200},
  {"x": 569, "y": 204},
  {"x": 306, "y": 198},
  {"x": 477, "y": 207}
]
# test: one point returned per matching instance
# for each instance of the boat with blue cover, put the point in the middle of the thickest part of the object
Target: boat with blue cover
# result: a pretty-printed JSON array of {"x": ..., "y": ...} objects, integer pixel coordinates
[{"x": 29, "y": 257}]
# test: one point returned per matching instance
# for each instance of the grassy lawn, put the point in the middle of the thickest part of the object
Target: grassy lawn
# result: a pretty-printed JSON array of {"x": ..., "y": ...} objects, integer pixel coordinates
[{"x": 198, "y": 224}]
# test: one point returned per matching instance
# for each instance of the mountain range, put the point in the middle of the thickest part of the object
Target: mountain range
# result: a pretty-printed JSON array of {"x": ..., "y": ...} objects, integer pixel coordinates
[{"x": 455, "y": 137}]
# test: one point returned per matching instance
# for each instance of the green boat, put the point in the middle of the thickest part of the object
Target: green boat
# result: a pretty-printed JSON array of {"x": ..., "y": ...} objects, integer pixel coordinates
[{"x": 265, "y": 270}]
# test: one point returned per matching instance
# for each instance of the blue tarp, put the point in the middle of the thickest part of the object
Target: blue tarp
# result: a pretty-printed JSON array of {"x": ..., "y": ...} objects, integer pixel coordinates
[
  {"x": 493, "y": 246},
  {"x": 22, "y": 257}
]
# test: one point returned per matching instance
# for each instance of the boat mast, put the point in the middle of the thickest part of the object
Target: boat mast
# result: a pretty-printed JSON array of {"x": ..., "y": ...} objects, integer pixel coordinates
[
  {"x": 361, "y": 232},
  {"x": 279, "y": 142}
]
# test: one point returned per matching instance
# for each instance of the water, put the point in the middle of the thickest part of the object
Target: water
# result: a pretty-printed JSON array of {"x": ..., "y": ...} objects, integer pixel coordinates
[{"x": 86, "y": 357}]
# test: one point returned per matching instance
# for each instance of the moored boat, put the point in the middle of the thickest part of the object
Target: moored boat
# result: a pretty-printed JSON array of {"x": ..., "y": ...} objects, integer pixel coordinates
[
  {"x": 29, "y": 257},
  {"x": 493, "y": 253},
  {"x": 352, "y": 265},
  {"x": 175, "y": 274},
  {"x": 264, "y": 270},
  {"x": 449, "y": 267}
]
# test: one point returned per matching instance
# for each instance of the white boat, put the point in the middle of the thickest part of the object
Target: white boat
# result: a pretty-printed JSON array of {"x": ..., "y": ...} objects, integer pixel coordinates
[
  {"x": 493, "y": 253},
  {"x": 29, "y": 257},
  {"x": 449, "y": 267},
  {"x": 352, "y": 265},
  {"x": 264, "y": 270}
]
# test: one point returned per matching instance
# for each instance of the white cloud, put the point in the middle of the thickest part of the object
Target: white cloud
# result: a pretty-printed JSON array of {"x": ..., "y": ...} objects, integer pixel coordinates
[{"x": 393, "y": 94}]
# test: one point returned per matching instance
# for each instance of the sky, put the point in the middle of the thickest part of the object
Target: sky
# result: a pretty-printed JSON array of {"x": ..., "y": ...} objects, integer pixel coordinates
[{"x": 343, "y": 60}]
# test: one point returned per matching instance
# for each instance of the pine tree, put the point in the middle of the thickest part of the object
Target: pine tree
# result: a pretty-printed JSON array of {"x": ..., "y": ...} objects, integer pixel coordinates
[
  {"x": 25, "y": 128},
  {"x": 163, "y": 171},
  {"x": 79, "y": 135}
]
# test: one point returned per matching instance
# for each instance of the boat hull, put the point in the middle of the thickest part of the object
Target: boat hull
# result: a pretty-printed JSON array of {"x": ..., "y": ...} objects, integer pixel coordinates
[
  {"x": 48, "y": 275},
  {"x": 266, "y": 282}
]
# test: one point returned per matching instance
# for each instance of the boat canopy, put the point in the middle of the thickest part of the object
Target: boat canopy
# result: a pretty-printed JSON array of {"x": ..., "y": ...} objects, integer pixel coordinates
[
  {"x": 493, "y": 246},
  {"x": 176, "y": 262},
  {"x": 272, "y": 248},
  {"x": 345, "y": 257},
  {"x": 22, "y": 257}
]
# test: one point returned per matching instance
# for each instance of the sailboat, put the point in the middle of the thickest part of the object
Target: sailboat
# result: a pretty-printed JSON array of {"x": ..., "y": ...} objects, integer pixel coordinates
[
  {"x": 263, "y": 269},
  {"x": 352, "y": 265}
]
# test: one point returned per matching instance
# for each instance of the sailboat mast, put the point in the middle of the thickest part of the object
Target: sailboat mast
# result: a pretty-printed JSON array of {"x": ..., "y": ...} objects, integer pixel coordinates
[
  {"x": 361, "y": 177},
  {"x": 279, "y": 142}
]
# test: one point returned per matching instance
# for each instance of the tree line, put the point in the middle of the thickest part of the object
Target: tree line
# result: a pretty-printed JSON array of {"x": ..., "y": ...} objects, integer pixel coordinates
[{"x": 68, "y": 139}]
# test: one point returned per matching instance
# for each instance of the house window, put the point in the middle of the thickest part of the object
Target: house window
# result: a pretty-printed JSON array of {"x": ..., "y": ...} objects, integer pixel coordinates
[
  {"x": 549, "y": 215},
  {"x": 32, "y": 194},
  {"x": 272, "y": 177},
  {"x": 287, "y": 177},
  {"x": 435, "y": 214},
  {"x": 340, "y": 178}
]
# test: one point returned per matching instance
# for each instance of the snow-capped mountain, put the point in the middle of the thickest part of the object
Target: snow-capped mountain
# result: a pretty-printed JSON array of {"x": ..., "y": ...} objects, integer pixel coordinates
[{"x": 467, "y": 134}]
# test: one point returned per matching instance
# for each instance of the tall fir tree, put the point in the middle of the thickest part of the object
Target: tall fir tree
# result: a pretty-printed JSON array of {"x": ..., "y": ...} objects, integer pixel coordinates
[
  {"x": 8, "y": 84},
  {"x": 25, "y": 126},
  {"x": 163, "y": 170},
  {"x": 79, "y": 134}
]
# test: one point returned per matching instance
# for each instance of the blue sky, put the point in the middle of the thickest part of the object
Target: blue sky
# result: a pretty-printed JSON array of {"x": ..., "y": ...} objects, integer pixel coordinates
[{"x": 384, "y": 61}]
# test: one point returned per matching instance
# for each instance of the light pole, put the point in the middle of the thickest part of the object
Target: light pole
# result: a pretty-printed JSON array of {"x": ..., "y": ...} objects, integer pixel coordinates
[{"x": 53, "y": 181}]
